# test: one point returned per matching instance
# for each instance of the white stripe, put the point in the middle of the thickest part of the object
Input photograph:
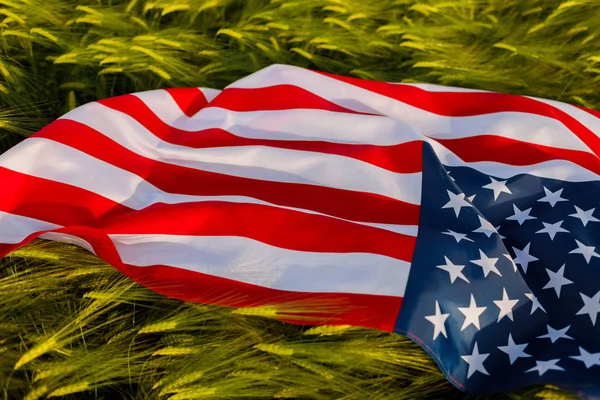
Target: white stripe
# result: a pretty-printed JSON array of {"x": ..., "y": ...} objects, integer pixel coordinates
[
  {"x": 209, "y": 94},
  {"x": 555, "y": 169},
  {"x": 64, "y": 238},
  {"x": 409, "y": 230},
  {"x": 431, "y": 87},
  {"x": 159, "y": 101},
  {"x": 307, "y": 124},
  {"x": 249, "y": 261},
  {"x": 295, "y": 124},
  {"x": 362, "y": 100},
  {"x": 377, "y": 130},
  {"x": 253, "y": 262},
  {"x": 583, "y": 117},
  {"x": 15, "y": 228},
  {"x": 589, "y": 121},
  {"x": 253, "y": 162},
  {"x": 60, "y": 163}
]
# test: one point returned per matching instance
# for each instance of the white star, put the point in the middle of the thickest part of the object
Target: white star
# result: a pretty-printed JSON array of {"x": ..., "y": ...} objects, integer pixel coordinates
[
  {"x": 586, "y": 251},
  {"x": 498, "y": 187},
  {"x": 450, "y": 176},
  {"x": 487, "y": 264},
  {"x": 486, "y": 227},
  {"x": 514, "y": 350},
  {"x": 552, "y": 197},
  {"x": 557, "y": 280},
  {"x": 475, "y": 361},
  {"x": 457, "y": 201},
  {"x": 471, "y": 314},
  {"x": 584, "y": 216},
  {"x": 535, "y": 304},
  {"x": 589, "y": 359},
  {"x": 555, "y": 334},
  {"x": 512, "y": 262},
  {"x": 455, "y": 271},
  {"x": 591, "y": 306},
  {"x": 523, "y": 257},
  {"x": 543, "y": 366},
  {"x": 506, "y": 306},
  {"x": 498, "y": 232},
  {"x": 552, "y": 229},
  {"x": 521, "y": 216},
  {"x": 472, "y": 198},
  {"x": 438, "y": 320},
  {"x": 458, "y": 236}
]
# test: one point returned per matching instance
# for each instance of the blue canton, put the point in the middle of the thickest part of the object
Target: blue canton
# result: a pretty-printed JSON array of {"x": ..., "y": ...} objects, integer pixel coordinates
[{"x": 504, "y": 289}]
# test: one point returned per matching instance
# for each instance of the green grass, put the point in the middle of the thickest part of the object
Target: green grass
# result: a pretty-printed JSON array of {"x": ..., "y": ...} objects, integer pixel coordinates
[{"x": 72, "y": 326}]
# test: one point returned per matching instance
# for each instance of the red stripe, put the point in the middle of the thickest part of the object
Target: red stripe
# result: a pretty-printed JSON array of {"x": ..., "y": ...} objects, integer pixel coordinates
[
  {"x": 189, "y": 100},
  {"x": 54, "y": 202},
  {"x": 464, "y": 104},
  {"x": 371, "y": 311},
  {"x": 352, "y": 205},
  {"x": 286, "y": 229},
  {"x": 401, "y": 158},
  {"x": 67, "y": 205},
  {"x": 515, "y": 152},
  {"x": 280, "y": 97}
]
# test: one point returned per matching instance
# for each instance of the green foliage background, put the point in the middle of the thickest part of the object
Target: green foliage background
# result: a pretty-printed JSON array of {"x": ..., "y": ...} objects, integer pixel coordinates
[{"x": 72, "y": 327}]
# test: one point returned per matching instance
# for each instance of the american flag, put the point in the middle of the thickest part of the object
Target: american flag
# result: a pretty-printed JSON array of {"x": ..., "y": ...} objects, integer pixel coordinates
[{"x": 463, "y": 219}]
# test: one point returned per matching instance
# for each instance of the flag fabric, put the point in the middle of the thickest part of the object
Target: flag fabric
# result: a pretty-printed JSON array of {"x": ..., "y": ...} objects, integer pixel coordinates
[{"x": 463, "y": 219}]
